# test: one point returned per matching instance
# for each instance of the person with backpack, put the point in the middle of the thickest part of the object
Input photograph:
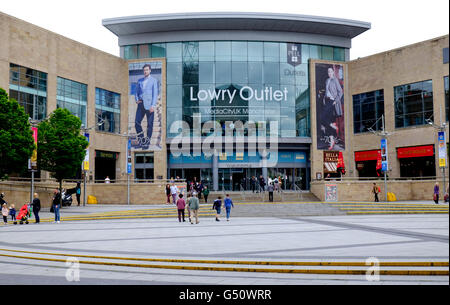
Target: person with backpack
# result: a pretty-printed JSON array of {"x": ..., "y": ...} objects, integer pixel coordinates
[
  {"x": 376, "y": 190},
  {"x": 78, "y": 192},
  {"x": 216, "y": 206}
]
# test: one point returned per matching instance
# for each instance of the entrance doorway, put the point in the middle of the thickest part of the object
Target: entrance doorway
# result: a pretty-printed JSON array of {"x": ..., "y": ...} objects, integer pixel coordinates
[{"x": 105, "y": 165}]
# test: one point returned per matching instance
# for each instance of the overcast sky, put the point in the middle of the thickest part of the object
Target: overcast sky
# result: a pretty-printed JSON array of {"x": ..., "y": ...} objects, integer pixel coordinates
[{"x": 394, "y": 23}]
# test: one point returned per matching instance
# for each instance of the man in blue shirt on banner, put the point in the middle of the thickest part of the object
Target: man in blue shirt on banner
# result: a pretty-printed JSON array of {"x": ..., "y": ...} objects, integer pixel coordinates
[{"x": 146, "y": 98}]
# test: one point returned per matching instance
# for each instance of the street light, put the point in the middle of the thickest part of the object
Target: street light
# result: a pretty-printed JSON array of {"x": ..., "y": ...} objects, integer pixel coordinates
[
  {"x": 85, "y": 169},
  {"x": 442, "y": 151},
  {"x": 383, "y": 134}
]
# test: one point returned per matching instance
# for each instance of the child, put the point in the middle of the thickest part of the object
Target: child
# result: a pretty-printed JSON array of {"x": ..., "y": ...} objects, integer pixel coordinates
[
  {"x": 216, "y": 206},
  {"x": 5, "y": 213},
  {"x": 181, "y": 204},
  {"x": 12, "y": 212}
]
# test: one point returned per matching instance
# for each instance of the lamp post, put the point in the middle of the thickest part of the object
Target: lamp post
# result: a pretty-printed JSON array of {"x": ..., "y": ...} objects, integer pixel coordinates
[
  {"x": 442, "y": 149},
  {"x": 384, "y": 151},
  {"x": 85, "y": 165}
]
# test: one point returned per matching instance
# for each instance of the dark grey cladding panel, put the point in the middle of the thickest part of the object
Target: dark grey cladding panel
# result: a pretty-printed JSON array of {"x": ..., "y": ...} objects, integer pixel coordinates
[{"x": 236, "y": 21}]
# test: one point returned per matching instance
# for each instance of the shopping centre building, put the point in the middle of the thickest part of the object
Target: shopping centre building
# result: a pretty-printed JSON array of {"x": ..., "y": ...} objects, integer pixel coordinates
[{"x": 236, "y": 95}]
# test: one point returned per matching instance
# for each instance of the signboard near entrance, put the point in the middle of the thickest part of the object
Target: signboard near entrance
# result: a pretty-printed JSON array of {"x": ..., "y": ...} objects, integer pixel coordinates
[
  {"x": 331, "y": 194},
  {"x": 442, "y": 149},
  {"x": 330, "y": 160}
]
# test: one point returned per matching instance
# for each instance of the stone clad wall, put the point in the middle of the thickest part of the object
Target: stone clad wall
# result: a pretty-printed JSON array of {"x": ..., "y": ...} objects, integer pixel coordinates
[
  {"x": 362, "y": 190},
  {"x": 18, "y": 193}
]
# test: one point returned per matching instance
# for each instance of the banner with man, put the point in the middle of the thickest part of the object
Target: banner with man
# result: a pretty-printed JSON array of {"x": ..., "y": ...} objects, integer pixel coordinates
[{"x": 145, "y": 105}]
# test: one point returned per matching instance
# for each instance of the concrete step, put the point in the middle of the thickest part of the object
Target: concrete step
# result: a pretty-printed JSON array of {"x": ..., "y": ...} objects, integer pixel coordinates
[{"x": 264, "y": 197}]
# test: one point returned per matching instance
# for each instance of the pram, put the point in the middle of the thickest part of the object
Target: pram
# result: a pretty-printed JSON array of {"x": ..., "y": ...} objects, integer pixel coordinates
[{"x": 24, "y": 214}]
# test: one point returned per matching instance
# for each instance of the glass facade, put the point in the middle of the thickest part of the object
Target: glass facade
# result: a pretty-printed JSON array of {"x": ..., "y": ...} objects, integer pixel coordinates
[
  {"x": 107, "y": 110},
  {"x": 72, "y": 95},
  {"x": 247, "y": 81},
  {"x": 367, "y": 111},
  {"x": 413, "y": 104},
  {"x": 29, "y": 88}
]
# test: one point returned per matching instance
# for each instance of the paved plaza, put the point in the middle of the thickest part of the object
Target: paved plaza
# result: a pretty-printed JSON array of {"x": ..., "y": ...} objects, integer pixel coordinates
[{"x": 111, "y": 245}]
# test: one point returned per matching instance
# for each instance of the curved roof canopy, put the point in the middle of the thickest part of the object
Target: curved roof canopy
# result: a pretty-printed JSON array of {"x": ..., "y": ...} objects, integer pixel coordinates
[{"x": 125, "y": 26}]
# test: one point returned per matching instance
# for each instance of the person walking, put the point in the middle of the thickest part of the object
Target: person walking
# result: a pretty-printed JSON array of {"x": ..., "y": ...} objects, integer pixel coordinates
[
  {"x": 5, "y": 213},
  {"x": 56, "y": 205},
  {"x": 174, "y": 192},
  {"x": 217, "y": 206},
  {"x": 181, "y": 204},
  {"x": 270, "y": 190},
  {"x": 253, "y": 183},
  {"x": 206, "y": 193},
  {"x": 436, "y": 193},
  {"x": 78, "y": 192},
  {"x": 189, "y": 195},
  {"x": 36, "y": 207},
  {"x": 228, "y": 203},
  {"x": 200, "y": 189},
  {"x": 194, "y": 205},
  {"x": 376, "y": 190},
  {"x": 168, "y": 193}
]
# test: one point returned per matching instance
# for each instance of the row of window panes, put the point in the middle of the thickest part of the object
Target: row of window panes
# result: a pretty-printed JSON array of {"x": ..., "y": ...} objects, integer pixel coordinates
[
  {"x": 413, "y": 103},
  {"x": 230, "y": 51},
  {"x": 367, "y": 109},
  {"x": 34, "y": 105},
  {"x": 107, "y": 110},
  {"x": 144, "y": 158},
  {"x": 26, "y": 77},
  {"x": 70, "y": 95},
  {"x": 236, "y": 72},
  {"x": 107, "y": 98}
]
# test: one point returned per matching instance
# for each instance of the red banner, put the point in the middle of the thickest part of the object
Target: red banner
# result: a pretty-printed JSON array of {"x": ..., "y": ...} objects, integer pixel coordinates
[
  {"x": 367, "y": 155},
  {"x": 415, "y": 152}
]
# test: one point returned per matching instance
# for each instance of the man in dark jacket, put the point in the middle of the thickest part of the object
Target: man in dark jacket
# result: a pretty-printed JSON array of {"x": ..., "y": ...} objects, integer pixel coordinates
[
  {"x": 36, "y": 207},
  {"x": 262, "y": 183}
]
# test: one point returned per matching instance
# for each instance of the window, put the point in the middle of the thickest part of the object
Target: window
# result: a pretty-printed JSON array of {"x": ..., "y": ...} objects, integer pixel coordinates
[
  {"x": 367, "y": 111},
  {"x": 130, "y": 52},
  {"x": 29, "y": 88},
  {"x": 72, "y": 95},
  {"x": 446, "y": 97},
  {"x": 143, "y": 166},
  {"x": 413, "y": 104},
  {"x": 107, "y": 110}
]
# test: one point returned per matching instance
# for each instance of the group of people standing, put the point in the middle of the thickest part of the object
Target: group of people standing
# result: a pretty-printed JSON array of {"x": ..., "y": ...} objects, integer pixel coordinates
[
  {"x": 192, "y": 202},
  {"x": 259, "y": 185},
  {"x": 35, "y": 206}
]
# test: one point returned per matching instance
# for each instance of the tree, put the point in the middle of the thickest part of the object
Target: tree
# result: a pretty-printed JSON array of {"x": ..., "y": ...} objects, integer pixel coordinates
[
  {"x": 16, "y": 138},
  {"x": 61, "y": 147}
]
